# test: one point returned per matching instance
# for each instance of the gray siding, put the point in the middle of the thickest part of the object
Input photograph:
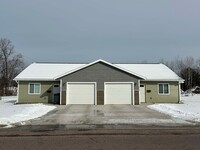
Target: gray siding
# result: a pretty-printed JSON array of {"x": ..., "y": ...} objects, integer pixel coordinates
[{"x": 100, "y": 73}]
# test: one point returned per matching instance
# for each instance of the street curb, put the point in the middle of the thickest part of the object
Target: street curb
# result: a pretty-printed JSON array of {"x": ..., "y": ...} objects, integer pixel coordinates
[{"x": 81, "y": 132}]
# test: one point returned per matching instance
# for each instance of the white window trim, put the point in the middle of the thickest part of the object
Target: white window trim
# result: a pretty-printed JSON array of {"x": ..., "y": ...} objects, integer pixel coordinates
[
  {"x": 34, "y": 93},
  {"x": 163, "y": 89}
]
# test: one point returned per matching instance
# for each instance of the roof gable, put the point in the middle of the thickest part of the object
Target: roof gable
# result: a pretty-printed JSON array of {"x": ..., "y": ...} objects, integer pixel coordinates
[{"x": 100, "y": 61}]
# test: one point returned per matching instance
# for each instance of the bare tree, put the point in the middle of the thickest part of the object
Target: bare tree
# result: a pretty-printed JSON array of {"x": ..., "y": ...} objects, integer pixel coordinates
[
  {"x": 176, "y": 64},
  {"x": 189, "y": 64},
  {"x": 198, "y": 64},
  {"x": 187, "y": 68},
  {"x": 10, "y": 65}
]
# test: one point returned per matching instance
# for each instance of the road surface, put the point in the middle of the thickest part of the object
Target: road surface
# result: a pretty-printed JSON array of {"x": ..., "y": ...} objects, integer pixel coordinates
[{"x": 140, "y": 139}]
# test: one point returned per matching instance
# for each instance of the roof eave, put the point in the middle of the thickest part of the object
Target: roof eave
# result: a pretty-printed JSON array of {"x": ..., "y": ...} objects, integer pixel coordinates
[
  {"x": 177, "y": 80},
  {"x": 33, "y": 79}
]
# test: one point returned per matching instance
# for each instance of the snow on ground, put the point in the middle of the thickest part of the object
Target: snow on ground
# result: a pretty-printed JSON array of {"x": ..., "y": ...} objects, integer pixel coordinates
[
  {"x": 11, "y": 113},
  {"x": 189, "y": 109}
]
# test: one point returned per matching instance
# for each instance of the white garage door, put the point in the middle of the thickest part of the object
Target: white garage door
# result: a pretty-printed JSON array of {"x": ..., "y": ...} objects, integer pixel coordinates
[
  {"x": 81, "y": 93},
  {"x": 119, "y": 93}
]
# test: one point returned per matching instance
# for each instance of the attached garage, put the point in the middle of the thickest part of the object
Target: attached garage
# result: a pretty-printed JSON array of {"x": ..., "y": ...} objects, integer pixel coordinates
[
  {"x": 81, "y": 93},
  {"x": 119, "y": 93}
]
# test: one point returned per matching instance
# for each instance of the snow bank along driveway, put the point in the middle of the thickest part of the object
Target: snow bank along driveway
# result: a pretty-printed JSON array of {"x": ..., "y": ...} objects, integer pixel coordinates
[
  {"x": 188, "y": 110},
  {"x": 11, "y": 113}
]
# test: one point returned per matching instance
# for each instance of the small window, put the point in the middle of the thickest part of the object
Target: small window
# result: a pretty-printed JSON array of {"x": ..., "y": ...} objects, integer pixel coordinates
[
  {"x": 163, "y": 88},
  {"x": 34, "y": 88},
  {"x": 141, "y": 85}
]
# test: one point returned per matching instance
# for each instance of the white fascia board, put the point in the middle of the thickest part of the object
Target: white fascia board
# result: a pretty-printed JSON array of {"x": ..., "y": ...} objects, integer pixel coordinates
[
  {"x": 16, "y": 79},
  {"x": 34, "y": 79},
  {"x": 181, "y": 81},
  {"x": 100, "y": 60}
]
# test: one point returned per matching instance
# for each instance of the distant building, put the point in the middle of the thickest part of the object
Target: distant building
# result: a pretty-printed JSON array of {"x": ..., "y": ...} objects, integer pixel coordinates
[{"x": 196, "y": 90}]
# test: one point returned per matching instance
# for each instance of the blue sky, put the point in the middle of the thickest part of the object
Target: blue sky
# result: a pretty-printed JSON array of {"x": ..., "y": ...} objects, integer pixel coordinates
[{"x": 114, "y": 30}]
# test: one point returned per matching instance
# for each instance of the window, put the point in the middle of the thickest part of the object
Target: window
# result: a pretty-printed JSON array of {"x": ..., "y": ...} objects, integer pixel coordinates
[
  {"x": 34, "y": 88},
  {"x": 163, "y": 88}
]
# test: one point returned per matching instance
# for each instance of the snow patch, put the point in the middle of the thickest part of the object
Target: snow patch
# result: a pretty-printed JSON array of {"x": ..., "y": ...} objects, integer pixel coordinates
[
  {"x": 146, "y": 121},
  {"x": 11, "y": 113},
  {"x": 189, "y": 109}
]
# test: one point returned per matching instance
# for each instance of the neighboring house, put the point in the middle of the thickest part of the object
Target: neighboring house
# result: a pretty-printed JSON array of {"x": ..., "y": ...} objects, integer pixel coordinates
[
  {"x": 98, "y": 83},
  {"x": 196, "y": 90}
]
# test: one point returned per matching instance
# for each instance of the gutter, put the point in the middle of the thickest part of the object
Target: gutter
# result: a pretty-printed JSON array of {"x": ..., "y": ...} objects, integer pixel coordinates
[
  {"x": 31, "y": 79},
  {"x": 180, "y": 81}
]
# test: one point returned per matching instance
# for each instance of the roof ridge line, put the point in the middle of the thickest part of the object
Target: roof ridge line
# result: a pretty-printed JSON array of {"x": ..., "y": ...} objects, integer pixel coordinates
[{"x": 58, "y": 63}]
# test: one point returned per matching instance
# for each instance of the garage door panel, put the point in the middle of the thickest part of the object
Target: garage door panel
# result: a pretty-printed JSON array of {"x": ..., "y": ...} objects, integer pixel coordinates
[
  {"x": 81, "y": 93},
  {"x": 118, "y": 93}
]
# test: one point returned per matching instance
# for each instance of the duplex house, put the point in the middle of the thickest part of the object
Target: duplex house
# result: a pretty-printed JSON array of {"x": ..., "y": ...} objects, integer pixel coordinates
[{"x": 98, "y": 83}]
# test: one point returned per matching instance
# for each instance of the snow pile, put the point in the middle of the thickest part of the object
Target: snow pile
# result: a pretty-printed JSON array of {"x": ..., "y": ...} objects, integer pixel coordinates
[
  {"x": 189, "y": 109},
  {"x": 11, "y": 113},
  {"x": 8, "y": 98}
]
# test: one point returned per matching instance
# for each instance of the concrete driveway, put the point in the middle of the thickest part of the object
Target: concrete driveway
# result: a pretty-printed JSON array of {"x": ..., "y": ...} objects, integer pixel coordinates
[{"x": 88, "y": 115}]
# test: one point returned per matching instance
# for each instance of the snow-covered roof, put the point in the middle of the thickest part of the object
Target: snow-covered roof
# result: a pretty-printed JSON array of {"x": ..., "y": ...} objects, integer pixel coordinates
[
  {"x": 53, "y": 71},
  {"x": 157, "y": 72},
  {"x": 45, "y": 71}
]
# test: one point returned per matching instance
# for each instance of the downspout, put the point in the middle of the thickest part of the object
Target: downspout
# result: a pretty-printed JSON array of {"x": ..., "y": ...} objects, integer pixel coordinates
[
  {"x": 60, "y": 91},
  {"x": 17, "y": 91},
  {"x": 139, "y": 91},
  {"x": 179, "y": 90},
  {"x": 180, "y": 82}
]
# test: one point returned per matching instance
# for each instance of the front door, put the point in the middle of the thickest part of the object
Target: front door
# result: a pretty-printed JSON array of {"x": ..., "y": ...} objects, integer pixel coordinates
[
  {"x": 56, "y": 94},
  {"x": 142, "y": 93}
]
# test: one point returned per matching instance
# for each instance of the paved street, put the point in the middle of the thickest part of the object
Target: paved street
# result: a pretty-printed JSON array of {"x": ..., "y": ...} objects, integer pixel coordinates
[{"x": 140, "y": 139}]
